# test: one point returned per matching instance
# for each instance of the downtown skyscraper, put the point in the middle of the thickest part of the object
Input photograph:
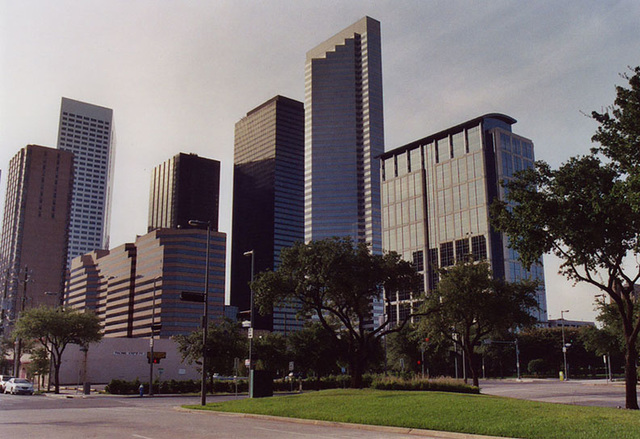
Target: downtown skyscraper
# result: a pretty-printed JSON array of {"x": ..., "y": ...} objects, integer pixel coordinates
[
  {"x": 436, "y": 193},
  {"x": 268, "y": 199},
  {"x": 33, "y": 246},
  {"x": 185, "y": 187},
  {"x": 87, "y": 131},
  {"x": 344, "y": 134}
]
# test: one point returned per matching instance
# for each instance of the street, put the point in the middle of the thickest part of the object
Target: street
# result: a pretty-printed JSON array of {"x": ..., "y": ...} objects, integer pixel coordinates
[
  {"x": 579, "y": 392},
  {"x": 151, "y": 418},
  {"x": 104, "y": 416}
]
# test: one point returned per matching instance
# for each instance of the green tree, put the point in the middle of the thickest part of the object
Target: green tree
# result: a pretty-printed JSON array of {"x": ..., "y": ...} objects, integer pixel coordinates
[
  {"x": 55, "y": 328},
  {"x": 40, "y": 365},
  {"x": 314, "y": 350},
  {"x": 225, "y": 342},
  {"x": 337, "y": 280},
  {"x": 469, "y": 304},
  {"x": 270, "y": 353},
  {"x": 587, "y": 212}
]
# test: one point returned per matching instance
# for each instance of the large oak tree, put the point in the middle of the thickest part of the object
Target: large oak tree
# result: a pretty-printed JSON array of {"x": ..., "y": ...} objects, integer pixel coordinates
[
  {"x": 336, "y": 280},
  {"x": 587, "y": 212}
]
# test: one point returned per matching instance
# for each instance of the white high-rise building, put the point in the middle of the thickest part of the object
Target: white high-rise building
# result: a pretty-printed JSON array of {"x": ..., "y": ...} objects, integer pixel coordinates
[
  {"x": 87, "y": 131},
  {"x": 343, "y": 136}
]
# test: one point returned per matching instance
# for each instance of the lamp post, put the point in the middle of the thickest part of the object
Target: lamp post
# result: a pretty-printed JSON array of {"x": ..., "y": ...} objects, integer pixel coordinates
[
  {"x": 205, "y": 316},
  {"x": 153, "y": 330},
  {"x": 564, "y": 345},
  {"x": 251, "y": 320}
]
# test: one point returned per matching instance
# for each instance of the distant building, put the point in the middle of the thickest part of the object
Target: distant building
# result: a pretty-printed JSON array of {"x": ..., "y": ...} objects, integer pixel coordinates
[
  {"x": 436, "y": 194},
  {"x": 34, "y": 228},
  {"x": 87, "y": 131},
  {"x": 134, "y": 283},
  {"x": 185, "y": 187},
  {"x": 344, "y": 134},
  {"x": 268, "y": 199},
  {"x": 557, "y": 323}
]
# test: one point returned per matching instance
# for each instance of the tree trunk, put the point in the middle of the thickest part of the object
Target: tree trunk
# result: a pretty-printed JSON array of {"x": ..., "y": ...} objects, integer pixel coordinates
[
  {"x": 356, "y": 366},
  {"x": 631, "y": 375},
  {"x": 56, "y": 376}
]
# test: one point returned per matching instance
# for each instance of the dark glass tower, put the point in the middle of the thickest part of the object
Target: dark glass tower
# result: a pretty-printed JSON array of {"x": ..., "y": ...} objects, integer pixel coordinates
[
  {"x": 268, "y": 198},
  {"x": 185, "y": 187}
]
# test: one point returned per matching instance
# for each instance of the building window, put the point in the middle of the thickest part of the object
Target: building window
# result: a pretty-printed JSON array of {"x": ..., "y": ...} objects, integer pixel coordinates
[
  {"x": 418, "y": 260},
  {"x": 479, "y": 247},
  {"x": 462, "y": 250},
  {"x": 446, "y": 254},
  {"x": 433, "y": 268}
]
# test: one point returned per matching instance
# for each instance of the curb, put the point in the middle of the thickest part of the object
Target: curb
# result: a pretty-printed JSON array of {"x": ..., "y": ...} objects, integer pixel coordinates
[{"x": 366, "y": 427}]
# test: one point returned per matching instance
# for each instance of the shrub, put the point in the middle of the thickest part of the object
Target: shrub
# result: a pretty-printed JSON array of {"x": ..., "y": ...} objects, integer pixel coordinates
[{"x": 437, "y": 384}]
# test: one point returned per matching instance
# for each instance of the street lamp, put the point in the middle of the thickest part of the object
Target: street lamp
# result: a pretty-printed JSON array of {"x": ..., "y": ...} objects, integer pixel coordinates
[
  {"x": 205, "y": 317},
  {"x": 153, "y": 330},
  {"x": 564, "y": 345},
  {"x": 251, "y": 320}
]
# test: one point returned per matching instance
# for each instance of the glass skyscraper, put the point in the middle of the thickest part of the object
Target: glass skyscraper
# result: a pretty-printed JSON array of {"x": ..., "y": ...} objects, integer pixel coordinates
[
  {"x": 185, "y": 187},
  {"x": 343, "y": 136},
  {"x": 268, "y": 199},
  {"x": 87, "y": 131},
  {"x": 436, "y": 194}
]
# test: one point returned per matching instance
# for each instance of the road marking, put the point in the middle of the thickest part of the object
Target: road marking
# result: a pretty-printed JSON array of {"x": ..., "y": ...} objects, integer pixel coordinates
[{"x": 141, "y": 437}]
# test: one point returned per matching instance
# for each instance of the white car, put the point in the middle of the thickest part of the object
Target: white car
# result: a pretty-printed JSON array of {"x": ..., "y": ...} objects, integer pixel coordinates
[
  {"x": 18, "y": 386},
  {"x": 4, "y": 379}
]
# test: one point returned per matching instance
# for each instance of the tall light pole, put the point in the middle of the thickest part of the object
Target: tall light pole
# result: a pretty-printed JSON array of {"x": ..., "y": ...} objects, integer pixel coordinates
[
  {"x": 251, "y": 320},
  {"x": 564, "y": 345},
  {"x": 205, "y": 316},
  {"x": 153, "y": 330}
]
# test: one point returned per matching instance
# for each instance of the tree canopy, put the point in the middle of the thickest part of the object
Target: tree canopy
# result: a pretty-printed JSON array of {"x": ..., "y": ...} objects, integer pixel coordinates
[
  {"x": 336, "y": 281},
  {"x": 225, "y": 342},
  {"x": 55, "y": 328},
  {"x": 469, "y": 304},
  {"x": 587, "y": 212}
]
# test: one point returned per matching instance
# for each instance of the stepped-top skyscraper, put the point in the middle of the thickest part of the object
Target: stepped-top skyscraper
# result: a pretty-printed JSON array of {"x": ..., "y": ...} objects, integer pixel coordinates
[
  {"x": 268, "y": 199},
  {"x": 343, "y": 135},
  {"x": 87, "y": 131}
]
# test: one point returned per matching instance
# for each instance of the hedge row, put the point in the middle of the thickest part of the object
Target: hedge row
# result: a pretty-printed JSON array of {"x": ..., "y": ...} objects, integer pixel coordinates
[{"x": 121, "y": 387}]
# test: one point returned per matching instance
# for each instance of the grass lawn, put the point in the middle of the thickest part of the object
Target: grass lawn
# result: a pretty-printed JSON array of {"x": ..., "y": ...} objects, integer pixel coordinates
[{"x": 479, "y": 414}]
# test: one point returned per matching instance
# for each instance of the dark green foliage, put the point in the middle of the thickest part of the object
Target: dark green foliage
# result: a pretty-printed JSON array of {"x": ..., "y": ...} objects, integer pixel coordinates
[
  {"x": 587, "y": 213},
  {"x": 438, "y": 385},
  {"x": 469, "y": 305},
  {"x": 225, "y": 342},
  {"x": 336, "y": 280},
  {"x": 55, "y": 328}
]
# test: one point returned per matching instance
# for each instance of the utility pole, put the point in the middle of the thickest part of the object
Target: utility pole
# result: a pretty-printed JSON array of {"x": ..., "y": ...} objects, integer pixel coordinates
[{"x": 17, "y": 352}]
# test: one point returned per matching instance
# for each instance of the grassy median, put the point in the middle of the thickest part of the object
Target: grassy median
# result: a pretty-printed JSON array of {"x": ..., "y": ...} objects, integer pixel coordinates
[{"x": 478, "y": 414}]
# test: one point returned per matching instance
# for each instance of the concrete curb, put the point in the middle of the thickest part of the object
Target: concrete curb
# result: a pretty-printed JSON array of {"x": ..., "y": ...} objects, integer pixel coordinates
[{"x": 366, "y": 427}]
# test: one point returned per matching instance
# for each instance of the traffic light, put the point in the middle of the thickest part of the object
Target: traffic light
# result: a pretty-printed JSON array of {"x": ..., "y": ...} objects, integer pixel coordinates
[{"x": 157, "y": 356}]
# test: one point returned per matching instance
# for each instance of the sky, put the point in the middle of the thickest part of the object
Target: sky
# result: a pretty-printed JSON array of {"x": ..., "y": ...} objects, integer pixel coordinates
[{"x": 180, "y": 74}]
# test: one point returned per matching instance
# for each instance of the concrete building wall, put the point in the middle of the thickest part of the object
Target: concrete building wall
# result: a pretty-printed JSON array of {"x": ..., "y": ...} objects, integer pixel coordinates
[{"x": 124, "y": 359}]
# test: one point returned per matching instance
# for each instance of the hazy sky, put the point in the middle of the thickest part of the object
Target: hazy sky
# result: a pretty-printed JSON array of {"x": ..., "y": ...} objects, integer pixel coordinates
[{"x": 180, "y": 74}]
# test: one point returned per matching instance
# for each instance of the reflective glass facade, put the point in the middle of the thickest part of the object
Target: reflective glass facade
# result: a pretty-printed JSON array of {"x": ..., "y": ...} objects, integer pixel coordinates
[
  {"x": 343, "y": 135},
  {"x": 268, "y": 199},
  {"x": 87, "y": 131},
  {"x": 436, "y": 194}
]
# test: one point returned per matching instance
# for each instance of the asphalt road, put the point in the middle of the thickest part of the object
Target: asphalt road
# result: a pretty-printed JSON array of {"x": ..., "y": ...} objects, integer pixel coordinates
[
  {"x": 48, "y": 417},
  {"x": 579, "y": 392},
  {"x": 100, "y": 416}
]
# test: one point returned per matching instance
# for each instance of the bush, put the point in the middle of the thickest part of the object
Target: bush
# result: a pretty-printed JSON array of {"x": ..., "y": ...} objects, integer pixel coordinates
[
  {"x": 122, "y": 387},
  {"x": 537, "y": 367},
  {"x": 437, "y": 384}
]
